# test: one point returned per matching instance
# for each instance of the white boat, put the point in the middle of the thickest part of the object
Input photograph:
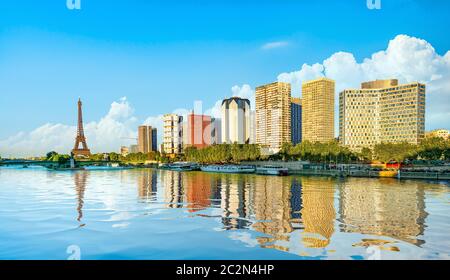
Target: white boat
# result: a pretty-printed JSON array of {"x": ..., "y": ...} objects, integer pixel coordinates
[
  {"x": 183, "y": 166},
  {"x": 228, "y": 168},
  {"x": 272, "y": 170}
]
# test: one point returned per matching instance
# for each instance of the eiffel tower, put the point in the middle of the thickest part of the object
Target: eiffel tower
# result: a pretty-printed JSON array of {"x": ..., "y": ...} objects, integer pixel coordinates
[{"x": 80, "y": 139}]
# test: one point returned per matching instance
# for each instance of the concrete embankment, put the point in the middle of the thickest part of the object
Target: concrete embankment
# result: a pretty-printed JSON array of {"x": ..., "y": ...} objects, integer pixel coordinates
[{"x": 304, "y": 168}]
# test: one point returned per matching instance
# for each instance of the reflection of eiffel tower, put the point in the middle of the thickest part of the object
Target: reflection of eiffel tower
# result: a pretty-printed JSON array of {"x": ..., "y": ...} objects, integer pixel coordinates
[
  {"x": 81, "y": 139},
  {"x": 80, "y": 187}
]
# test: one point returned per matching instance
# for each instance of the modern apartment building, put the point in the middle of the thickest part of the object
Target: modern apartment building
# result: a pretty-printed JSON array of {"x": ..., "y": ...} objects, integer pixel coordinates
[
  {"x": 296, "y": 121},
  {"x": 318, "y": 110},
  {"x": 273, "y": 115},
  {"x": 236, "y": 121},
  {"x": 147, "y": 139},
  {"x": 197, "y": 131},
  {"x": 173, "y": 134},
  {"x": 382, "y": 111}
]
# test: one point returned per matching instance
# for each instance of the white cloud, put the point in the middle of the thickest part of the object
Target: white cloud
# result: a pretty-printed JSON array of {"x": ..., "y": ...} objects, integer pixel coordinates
[
  {"x": 406, "y": 58},
  {"x": 274, "y": 45},
  {"x": 102, "y": 136}
]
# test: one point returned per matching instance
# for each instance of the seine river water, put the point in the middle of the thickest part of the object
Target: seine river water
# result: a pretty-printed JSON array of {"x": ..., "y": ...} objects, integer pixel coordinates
[{"x": 155, "y": 214}]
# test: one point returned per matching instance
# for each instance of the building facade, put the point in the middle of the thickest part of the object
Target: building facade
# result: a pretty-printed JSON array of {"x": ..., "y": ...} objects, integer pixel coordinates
[
  {"x": 438, "y": 133},
  {"x": 147, "y": 139},
  {"x": 133, "y": 149},
  {"x": 124, "y": 151},
  {"x": 173, "y": 134},
  {"x": 382, "y": 111},
  {"x": 273, "y": 115},
  {"x": 296, "y": 121},
  {"x": 236, "y": 121},
  {"x": 318, "y": 110},
  {"x": 216, "y": 131},
  {"x": 197, "y": 131}
]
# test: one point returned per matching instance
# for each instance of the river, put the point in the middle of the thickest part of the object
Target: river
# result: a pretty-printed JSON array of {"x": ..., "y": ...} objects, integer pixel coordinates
[{"x": 155, "y": 214}]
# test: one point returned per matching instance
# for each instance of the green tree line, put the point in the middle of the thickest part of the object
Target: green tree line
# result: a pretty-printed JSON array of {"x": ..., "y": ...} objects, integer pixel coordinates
[
  {"x": 317, "y": 152},
  {"x": 430, "y": 149},
  {"x": 223, "y": 153}
]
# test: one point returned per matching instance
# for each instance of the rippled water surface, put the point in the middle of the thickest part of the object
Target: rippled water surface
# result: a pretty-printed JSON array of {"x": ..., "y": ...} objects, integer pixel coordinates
[{"x": 154, "y": 214}]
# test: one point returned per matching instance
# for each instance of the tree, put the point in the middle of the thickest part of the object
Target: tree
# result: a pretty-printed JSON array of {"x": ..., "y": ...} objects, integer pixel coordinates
[
  {"x": 366, "y": 154},
  {"x": 50, "y": 155}
]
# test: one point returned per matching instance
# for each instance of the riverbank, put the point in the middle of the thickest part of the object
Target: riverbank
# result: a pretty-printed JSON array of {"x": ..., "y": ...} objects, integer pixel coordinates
[{"x": 358, "y": 171}]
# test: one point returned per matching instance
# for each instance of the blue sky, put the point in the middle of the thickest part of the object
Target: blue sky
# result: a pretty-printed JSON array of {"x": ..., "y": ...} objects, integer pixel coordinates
[{"x": 163, "y": 55}]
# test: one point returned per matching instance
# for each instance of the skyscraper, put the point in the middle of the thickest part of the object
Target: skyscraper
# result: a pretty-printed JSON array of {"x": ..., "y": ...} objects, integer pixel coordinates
[
  {"x": 147, "y": 139},
  {"x": 296, "y": 121},
  {"x": 382, "y": 111},
  {"x": 273, "y": 115},
  {"x": 236, "y": 120},
  {"x": 318, "y": 110},
  {"x": 173, "y": 134}
]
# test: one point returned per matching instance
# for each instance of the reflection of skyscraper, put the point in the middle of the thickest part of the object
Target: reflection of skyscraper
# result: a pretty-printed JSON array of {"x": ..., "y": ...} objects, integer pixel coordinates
[
  {"x": 383, "y": 207},
  {"x": 318, "y": 213},
  {"x": 296, "y": 199},
  {"x": 80, "y": 179},
  {"x": 147, "y": 181},
  {"x": 173, "y": 189},
  {"x": 198, "y": 190},
  {"x": 235, "y": 202},
  {"x": 272, "y": 210}
]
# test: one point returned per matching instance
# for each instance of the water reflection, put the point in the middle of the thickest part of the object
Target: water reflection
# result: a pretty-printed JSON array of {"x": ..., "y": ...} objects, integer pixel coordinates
[
  {"x": 316, "y": 208},
  {"x": 80, "y": 180},
  {"x": 383, "y": 207},
  {"x": 318, "y": 212},
  {"x": 147, "y": 181},
  {"x": 151, "y": 209}
]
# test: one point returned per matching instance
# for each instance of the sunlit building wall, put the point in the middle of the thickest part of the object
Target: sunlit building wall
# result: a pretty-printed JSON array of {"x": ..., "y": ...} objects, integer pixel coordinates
[
  {"x": 235, "y": 121},
  {"x": 173, "y": 134},
  {"x": 382, "y": 111},
  {"x": 318, "y": 110},
  {"x": 273, "y": 115}
]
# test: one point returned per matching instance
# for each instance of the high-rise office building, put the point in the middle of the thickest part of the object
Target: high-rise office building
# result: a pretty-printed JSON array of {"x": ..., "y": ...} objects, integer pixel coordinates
[
  {"x": 197, "y": 131},
  {"x": 173, "y": 134},
  {"x": 147, "y": 139},
  {"x": 273, "y": 115},
  {"x": 296, "y": 121},
  {"x": 236, "y": 121},
  {"x": 252, "y": 127},
  {"x": 318, "y": 110},
  {"x": 382, "y": 111}
]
